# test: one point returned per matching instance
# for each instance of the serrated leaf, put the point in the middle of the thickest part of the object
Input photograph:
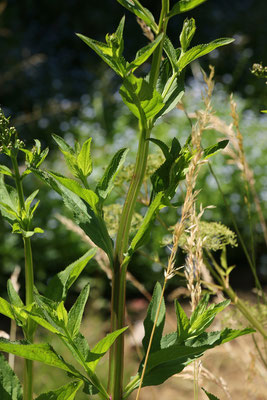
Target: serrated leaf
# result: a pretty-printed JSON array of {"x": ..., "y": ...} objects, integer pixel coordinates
[
  {"x": 105, "y": 185},
  {"x": 210, "y": 396},
  {"x": 76, "y": 312},
  {"x": 52, "y": 312},
  {"x": 59, "y": 285},
  {"x": 168, "y": 340},
  {"x": 184, "y": 6},
  {"x": 172, "y": 93},
  {"x": 201, "y": 50},
  {"x": 211, "y": 150},
  {"x": 10, "y": 387},
  {"x": 187, "y": 34},
  {"x": 104, "y": 51},
  {"x": 142, "y": 100},
  {"x": 93, "y": 225},
  {"x": 63, "y": 145},
  {"x": 150, "y": 319},
  {"x": 143, "y": 54},
  {"x": 66, "y": 392},
  {"x": 183, "y": 323},
  {"x": 102, "y": 347},
  {"x": 41, "y": 352},
  {"x": 140, "y": 12},
  {"x": 5, "y": 170},
  {"x": 84, "y": 158},
  {"x": 143, "y": 232},
  {"x": 14, "y": 298},
  {"x": 6, "y": 308},
  {"x": 170, "y": 52}
]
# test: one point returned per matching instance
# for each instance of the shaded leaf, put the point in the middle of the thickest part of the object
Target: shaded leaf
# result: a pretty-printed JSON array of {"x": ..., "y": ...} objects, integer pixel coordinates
[
  {"x": 210, "y": 396},
  {"x": 211, "y": 150},
  {"x": 183, "y": 323},
  {"x": 76, "y": 312},
  {"x": 10, "y": 387},
  {"x": 139, "y": 11},
  {"x": 66, "y": 392},
  {"x": 5, "y": 170},
  {"x": 184, "y": 6},
  {"x": 152, "y": 312}
]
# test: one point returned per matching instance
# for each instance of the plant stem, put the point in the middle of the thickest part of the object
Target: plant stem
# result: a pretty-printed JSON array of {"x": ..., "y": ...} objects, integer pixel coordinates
[{"x": 29, "y": 282}]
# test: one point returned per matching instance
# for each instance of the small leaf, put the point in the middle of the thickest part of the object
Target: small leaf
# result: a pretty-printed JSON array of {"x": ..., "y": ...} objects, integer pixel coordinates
[
  {"x": 201, "y": 50},
  {"x": 5, "y": 170},
  {"x": 143, "y": 54},
  {"x": 76, "y": 312},
  {"x": 41, "y": 352},
  {"x": 59, "y": 285},
  {"x": 211, "y": 150},
  {"x": 188, "y": 31},
  {"x": 171, "y": 53},
  {"x": 84, "y": 158},
  {"x": 6, "y": 308},
  {"x": 210, "y": 396},
  {"x": 184, "y": 6},
  {"x": 14, "y": 298},
  {"x": 105, "y": 185},
  {"x": 152, "y": 312},
  {"x": 10, "y": 387},
  {"x": 183, "y": 323},
  {"x": 63, "y": 145},
  {"x": 102, "y": 347},
  {"x": 142, "y": 234},
  {"x": 139, "y": 11},
  {"x": 66, "y": 392}
]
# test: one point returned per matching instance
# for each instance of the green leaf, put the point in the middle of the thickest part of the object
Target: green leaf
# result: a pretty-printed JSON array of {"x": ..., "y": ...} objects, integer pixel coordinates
[
  {"x": 59, "y": 285},
  {"x": 171, "y": 53},
  {"x": 143, "y": 54},
  {"x": 5, "y": 170},
  {"x": 10, "y": 387},
  {"x": 66, "y": 392},
  {"x": 6, "y": 308},
  {"x": 76, "y": 312},
  {"x": 143, "y": 232},
  {"x": 200, "y": 308},
  {"x": 149, "y": 321},
  {"x": 164, "y": 148},
  {"x": 93, "y": 225},
  {"x": 210, "y": 396},
  {"x": 184, "y": 6},
  {"x": 187, "y": 34},
  {"x": 183, "y": 323},
  {"x": 204, "y": 320},
  {"x": 105, "y": 52},
  {"x": 8, "y": 203},
  {"x": 140, "y": 11},
  {"x": 142, "y": 100},
  {"x": 102, "y": 347},
  {"x": 201, "y": 50},
  {"x": 86, "y": 194},
  {"x": 63, "y": 145},
  {"x": 84, "y": 158},
  {"x": 41, "y": 352},
  {"x": 211, "y": 150},
  {"x": 105, "y": 185},
  {"x": 30, "y": 199},
  {"x": 36, "y": 315},
  {"x": 52, "y": 312},
  {"x": 14, "y": 298},
  {"x": 69, "y": 155}
]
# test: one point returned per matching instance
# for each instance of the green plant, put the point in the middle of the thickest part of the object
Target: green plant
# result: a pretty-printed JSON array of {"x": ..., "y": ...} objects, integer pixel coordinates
[{"x": 148, "y": 98}]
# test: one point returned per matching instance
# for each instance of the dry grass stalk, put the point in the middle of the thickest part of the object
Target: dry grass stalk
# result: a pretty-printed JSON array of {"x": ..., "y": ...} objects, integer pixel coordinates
[
  {"x": 101, "y": 256},
  {"x": 146, "y": 29}
]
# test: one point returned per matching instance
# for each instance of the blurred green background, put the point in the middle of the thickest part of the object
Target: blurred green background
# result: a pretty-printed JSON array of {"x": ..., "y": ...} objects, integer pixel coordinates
[{"x": 50, "y": 82}]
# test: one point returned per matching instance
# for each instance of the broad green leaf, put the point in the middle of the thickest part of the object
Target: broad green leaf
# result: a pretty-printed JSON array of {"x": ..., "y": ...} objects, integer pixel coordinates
[
  {"x": 62, "y": 314},
  {"x": 66, "y": 392},
  {"x": 168, "y": 340},
  {"x": 171, "y": 53},
  {"x": 52, "y": 312},
  {"x": 76, "y": 312},
  {"x": 203, "y": 321},
  {"x": 211, "y": 150},
  {"x": 41, "y": 352},
  {"x": 150, "y": 319},
  {"x": 164, "y": 148},
  {"x": 210, "y": 396},
  {"x": 5, "y": 170},
  {"x": 142, "y": 100},
  {"x": 143, "y": 232},
  {"x": 84, "y": 158},
  {"x": 183, "y": 323},
  {"x": 172, "y": 91},
  {"x": 105, "y": 185},
  {"x": 59, "y": 285},
  {"x": 86, "y": 194},
  {"x": 82, "y": 344},
  {"x": 63, "y": 145},
  {"x": 93, "y": 225},
  {"x": 69, "y": 155},
  {"x": 14, "y": 298},
  {"x": 40, "y": 320},
  {"x": 140, "y": 11},
  {"x": 8, "y": 203},
  {"x": 200, "y": 308},
  {"x": 6, "y": 308},
  {"x": 201, "y": 50},
  {"x": 102, "y": 347},
  {"x": 143, "y": 54},
  {"x": 10, "y": 387},
  {"x": 105, "y": 52},
  {"x": 212, "y": 339},
  {"x": 184, "y": 6},
  {"x": 187, "y": 34}
]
